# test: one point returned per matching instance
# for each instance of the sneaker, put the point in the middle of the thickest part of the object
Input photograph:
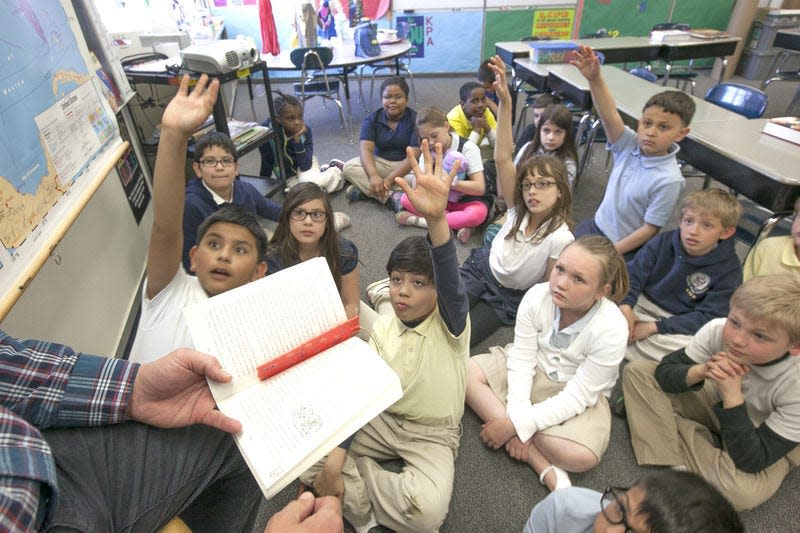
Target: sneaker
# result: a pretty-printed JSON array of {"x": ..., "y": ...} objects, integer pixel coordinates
[
  {"x": 393, "y": 202},
  {"x": 406, "y": 218},
  {"x": 324, "y": 167},
  {"x": 354, "y": 194},
  {"x": 463, "y": 235},
  {"x": 340, "y": 220},
  {"x": 338, "y": 163}
]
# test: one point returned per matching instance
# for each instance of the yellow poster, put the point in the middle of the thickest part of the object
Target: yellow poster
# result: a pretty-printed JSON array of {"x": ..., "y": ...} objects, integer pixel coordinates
[{"x": 553, "y": 23}]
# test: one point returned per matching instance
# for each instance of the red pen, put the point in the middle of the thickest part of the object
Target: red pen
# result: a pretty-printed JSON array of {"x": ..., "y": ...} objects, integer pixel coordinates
[{"x": 309, "y": 349}]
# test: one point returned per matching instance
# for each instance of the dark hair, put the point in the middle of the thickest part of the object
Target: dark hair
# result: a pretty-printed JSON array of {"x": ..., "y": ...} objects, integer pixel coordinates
[
  {"x": 214, "y": 138},
  {"x": 561, "y": 117},
  {"x": 485, "y": 74},
  {"x": 282, "y": 101},
  {"x": 413, "y": 254},
  {"x": 682, "y": 502},
  {"x": 397, "y": 81},
  {"x": 284, "y": 245},
  {"x": 467, "y": 88},
  {"x": 549, "y": 167},
  {"x": 675, "y": 102},
  {"x": 545, "y": 100},
  {"x": 233, "y": 214}
]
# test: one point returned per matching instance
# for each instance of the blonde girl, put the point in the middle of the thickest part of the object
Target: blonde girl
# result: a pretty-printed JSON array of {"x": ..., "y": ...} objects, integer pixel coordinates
[
  {"x": 544, "y": 399},
  {"x": 535, "y": 230},
  {"x": 305, "y": 230},
  {"x": 554, "y": 136}
]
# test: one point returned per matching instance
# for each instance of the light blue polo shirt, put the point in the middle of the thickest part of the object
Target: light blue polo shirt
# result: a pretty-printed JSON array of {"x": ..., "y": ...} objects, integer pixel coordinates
[{"x": 640, "y": 189}]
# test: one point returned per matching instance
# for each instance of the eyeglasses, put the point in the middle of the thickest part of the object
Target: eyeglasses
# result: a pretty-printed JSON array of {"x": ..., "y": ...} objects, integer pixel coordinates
[
  {"x": 301, "y": 214},
  {"x": 613, "y": 508},
  {"x": 227, "y": 162},
  {"x": 539, "y": 185}
]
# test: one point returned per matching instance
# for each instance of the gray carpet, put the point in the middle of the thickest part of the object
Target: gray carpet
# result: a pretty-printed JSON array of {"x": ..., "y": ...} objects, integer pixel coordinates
[{"x": 493, "y": 492}]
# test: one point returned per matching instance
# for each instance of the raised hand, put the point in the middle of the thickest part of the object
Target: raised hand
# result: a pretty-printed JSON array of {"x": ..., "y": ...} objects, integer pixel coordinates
[
  {"x": 429, "y": 196},
  {"x": 188, "y": 110},
  {"x": 500, "y": 84},
  {"x": 587, "y": 62}
]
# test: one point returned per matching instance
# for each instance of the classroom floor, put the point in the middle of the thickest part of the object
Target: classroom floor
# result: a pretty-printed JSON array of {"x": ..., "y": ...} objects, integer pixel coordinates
[{"x": 492, "y": 492}]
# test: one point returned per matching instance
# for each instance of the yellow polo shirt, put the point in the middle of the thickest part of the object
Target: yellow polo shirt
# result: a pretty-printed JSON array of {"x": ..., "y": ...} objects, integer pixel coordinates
[{"x": 431, "y": 364}]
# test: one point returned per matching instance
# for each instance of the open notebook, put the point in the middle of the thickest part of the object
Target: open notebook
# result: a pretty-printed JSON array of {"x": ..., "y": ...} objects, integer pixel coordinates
[{"x": 293, "y": 419}]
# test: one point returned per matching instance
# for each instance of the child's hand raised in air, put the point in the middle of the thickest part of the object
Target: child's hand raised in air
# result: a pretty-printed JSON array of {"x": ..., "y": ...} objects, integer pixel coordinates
[
  {"x": 429, "y": 197},
  {"x": 587, "y": 62},
  {"x": 187, "y": 111},
  {"x": 500, "y": 84}
]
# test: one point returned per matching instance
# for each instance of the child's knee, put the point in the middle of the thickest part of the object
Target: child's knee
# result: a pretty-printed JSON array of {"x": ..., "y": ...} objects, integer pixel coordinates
[{"x": 638, "y": 372}]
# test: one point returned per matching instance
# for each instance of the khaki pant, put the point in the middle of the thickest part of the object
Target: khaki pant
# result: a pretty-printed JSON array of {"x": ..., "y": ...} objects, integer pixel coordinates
[
  {"x": 354, "y": 173},
  {"x": 682, "y": 429},
  {"x": 656, "y": 346},
  {"x": 415, "y": 499}
]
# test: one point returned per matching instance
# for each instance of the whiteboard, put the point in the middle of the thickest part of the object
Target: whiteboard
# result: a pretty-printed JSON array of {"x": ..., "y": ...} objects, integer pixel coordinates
[{"x": 419, "y": 5}]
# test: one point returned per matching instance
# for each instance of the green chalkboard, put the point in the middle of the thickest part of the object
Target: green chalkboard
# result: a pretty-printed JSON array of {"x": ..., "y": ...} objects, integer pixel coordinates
[{"x": 511, "y": 25}]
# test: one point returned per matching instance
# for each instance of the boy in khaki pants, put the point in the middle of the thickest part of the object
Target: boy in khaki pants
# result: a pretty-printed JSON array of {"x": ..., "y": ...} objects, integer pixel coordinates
[{"x": 738, "y": 381}]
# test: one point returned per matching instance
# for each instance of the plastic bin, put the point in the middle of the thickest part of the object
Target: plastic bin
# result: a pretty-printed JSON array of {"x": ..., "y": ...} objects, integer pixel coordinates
[
  {"x": 756, "y": 64},
  {"x": 551, "y": 51}
]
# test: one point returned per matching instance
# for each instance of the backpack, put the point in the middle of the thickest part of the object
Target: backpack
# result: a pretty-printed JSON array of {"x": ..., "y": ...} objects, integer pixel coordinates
[{"x": 366, "y": 39}]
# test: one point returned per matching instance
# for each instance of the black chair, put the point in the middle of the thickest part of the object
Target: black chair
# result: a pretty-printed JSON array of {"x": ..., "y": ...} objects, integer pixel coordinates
[{"x": 314, "y": 80}]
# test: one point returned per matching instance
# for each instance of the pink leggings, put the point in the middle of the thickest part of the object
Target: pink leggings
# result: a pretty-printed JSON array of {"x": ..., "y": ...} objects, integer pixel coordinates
[{"x": 459, "y": 214}]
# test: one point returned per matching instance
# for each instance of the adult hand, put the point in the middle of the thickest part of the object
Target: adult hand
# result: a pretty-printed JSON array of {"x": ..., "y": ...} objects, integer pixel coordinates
[
  {"x": 307, "y": 514},
  {"x": 518, "y": 449},
  {"x": 172, "y": 392},
  {"x": 496, "y": 432},
  {"x": 587, "y": 62},
  {"x": 187, "y": 111}
]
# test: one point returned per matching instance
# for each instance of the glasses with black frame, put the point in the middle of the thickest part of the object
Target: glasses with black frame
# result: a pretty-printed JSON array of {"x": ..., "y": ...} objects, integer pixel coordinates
[
  {"x": 539, "y": 185},
  {"x": 210, "y": 162},
  {"x": 615, "y": 514},
  {"x": 301, "y": 214}
]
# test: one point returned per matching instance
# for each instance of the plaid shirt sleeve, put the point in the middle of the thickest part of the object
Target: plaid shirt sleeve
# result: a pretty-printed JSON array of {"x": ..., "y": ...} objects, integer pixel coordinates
[{"x": 44, "y": 385}]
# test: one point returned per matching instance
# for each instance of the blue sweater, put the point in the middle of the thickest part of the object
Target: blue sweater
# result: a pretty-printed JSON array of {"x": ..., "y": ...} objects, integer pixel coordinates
[
  {"x": 693, "y": 289},
  {"x": 199, "y": 204},
  {"x": 296, "y": 155}
]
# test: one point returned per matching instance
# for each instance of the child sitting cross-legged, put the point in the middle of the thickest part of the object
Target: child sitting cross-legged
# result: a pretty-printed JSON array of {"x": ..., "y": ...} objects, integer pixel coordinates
[
  {"x": 727, "y": 406},
  {"x": 544, "y": 399},
  {"x": 425, "y": 341},
  {"x": 683, "y": 278}
]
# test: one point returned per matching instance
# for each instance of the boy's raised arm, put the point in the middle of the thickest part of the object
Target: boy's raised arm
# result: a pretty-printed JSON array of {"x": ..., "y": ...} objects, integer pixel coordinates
[
  {"x": 588, "y": 63},
  {"x": 182, "y": 116},
  {"x": 504, "y": 143}
]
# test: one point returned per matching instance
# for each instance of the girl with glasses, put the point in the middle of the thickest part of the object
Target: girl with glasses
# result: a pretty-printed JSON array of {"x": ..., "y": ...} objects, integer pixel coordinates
[
  {"x": 535, "y": 231},
  {"x": 306, "y": 230}
]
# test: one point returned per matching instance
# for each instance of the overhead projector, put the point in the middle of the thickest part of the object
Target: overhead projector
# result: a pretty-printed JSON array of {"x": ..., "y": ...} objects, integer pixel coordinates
[{"x": 221, "y": 56}]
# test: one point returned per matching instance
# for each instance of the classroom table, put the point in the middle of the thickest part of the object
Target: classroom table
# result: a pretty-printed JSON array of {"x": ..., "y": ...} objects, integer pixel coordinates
[
  {"x": 346, "y": 60},
  {"x": 695, "y": 48},
  {"x": 723, "y": 144},
  {"x": 788, "y": 39}
]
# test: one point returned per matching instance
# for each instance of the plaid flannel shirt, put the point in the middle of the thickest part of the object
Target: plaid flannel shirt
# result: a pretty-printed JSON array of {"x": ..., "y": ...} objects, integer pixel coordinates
[{"x": 47, "y": 385}]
